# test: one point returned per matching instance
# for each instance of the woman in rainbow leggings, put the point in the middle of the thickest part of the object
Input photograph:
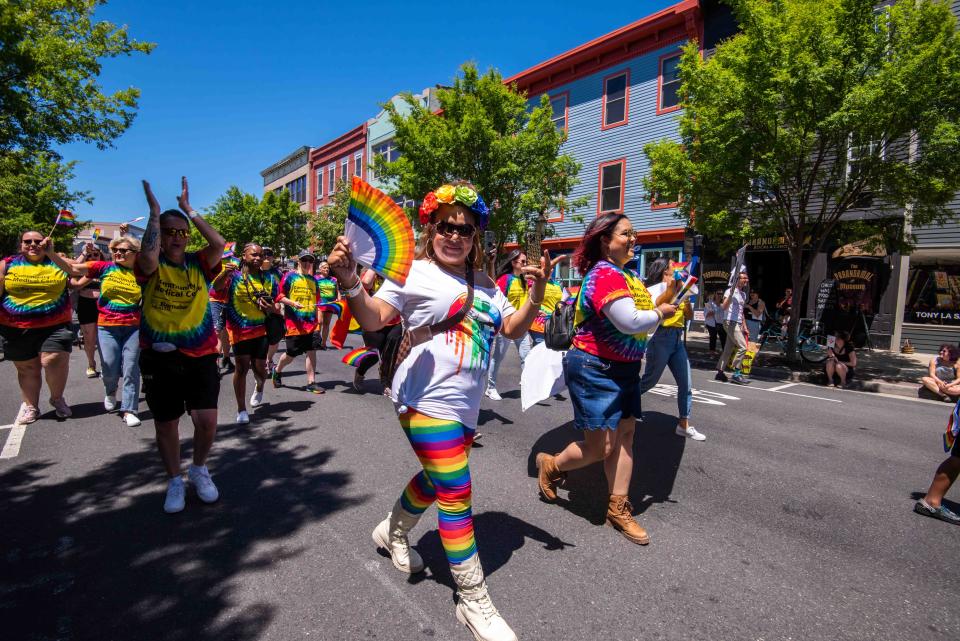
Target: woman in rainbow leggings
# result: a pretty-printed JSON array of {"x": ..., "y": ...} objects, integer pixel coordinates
[{"x": 438, "y": 387}]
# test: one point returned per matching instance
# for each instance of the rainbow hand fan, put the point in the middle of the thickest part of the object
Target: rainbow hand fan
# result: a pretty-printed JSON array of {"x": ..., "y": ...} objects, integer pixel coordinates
[
  {"x": 359, "y": 356},
  {"x": 381, "y": 236},
  {"x": 333, "y": 307}
]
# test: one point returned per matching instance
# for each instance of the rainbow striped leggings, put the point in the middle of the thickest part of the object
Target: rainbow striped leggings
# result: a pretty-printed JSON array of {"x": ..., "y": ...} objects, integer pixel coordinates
[{"x": 442, "y": 447}]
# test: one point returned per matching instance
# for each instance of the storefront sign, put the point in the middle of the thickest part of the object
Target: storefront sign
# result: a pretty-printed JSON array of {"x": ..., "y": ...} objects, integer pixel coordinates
[
  {"x": 826, "y": 299},
  {"x": 933, "y": 317},
  {"x": 713, "y": 277},
  {"x": 856, "y": 284}
]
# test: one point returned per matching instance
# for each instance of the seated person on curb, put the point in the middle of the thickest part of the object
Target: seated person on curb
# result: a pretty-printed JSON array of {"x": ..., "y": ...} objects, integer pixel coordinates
[
  {"x": 841, "y": 360},
  {"x": 943, "y": 378}
]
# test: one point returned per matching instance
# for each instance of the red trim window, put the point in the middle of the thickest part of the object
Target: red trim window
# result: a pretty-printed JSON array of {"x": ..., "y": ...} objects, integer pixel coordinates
[
  {"x": 658, "y": 205},
  {"x": 560, "y": 103},
  {"x": 557, "y": 216},
  {"x": 616, "y": 100},
  {"x": 610, "y": 181},
  {"x": 668, "y": 84}
]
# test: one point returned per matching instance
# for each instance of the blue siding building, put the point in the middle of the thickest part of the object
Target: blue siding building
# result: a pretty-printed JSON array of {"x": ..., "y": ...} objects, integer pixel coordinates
[{"x": 614, "y": 95}]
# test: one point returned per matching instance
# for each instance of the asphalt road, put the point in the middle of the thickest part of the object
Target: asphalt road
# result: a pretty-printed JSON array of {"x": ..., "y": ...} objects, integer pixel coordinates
[{"x": 792, "y": 521}]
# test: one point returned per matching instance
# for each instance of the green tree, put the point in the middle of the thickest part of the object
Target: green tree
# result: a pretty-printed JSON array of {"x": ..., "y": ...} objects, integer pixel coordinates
[
  {"x": 327, "y": 224},
  {"x": 274, "y": 221},
  {"x": 486, "y": 135},
  {"x": 50, "y": 57},
  {"x": 815, "y": 111}
]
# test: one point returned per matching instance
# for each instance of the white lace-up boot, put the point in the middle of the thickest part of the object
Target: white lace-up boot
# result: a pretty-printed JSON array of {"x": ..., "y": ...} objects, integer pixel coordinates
[
  {"x": 474, "y": 608},
  {"x": 391, "y": 534}
]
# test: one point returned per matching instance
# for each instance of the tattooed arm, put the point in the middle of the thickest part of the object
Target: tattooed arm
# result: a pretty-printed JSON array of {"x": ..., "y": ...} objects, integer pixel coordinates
[{"x": 149, "y": 257}]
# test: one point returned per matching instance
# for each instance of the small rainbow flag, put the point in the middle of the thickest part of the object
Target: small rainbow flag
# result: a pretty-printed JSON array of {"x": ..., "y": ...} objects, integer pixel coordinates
[
  {"x": 359, "y": 356},
  {"x": 334, "y": 307},
  {"x": 96, "y": 234},
  {"x": 953, "y": 427},
  {"x": 380, "y": 234},
  {"x": 65, "y": 218},
  {"x": 228, "y": 249}
]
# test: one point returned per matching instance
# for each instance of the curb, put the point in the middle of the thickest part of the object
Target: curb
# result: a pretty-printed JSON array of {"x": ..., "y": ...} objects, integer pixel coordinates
[{"x": 905, "y": 390}]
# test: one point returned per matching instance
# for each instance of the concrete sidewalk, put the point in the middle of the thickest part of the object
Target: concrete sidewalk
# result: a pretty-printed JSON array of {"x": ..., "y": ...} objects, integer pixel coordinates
[{"x": 877, "y": 370}]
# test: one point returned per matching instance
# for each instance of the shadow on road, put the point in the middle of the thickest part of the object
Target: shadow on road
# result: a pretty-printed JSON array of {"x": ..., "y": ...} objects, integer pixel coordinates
[
  {"x": 95, "y": 557},
  {"x": 498, "y": 536},
  {"x": 657, "y": 452}
]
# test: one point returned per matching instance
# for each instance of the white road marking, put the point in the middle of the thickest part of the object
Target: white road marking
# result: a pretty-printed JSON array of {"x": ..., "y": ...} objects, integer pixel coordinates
[
  {"x": 12, "y": 447},
  {"x": 7, "y": 427},
  {"x": 776, "y": 389},
  {"x": 763, "y": 389},
  {"x": 699, "y": 396}
]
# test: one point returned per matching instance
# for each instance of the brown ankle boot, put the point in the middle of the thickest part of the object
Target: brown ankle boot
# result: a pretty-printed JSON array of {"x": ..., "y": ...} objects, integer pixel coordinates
[
  {"x": 548, "y": 476},
  {"x": 620, "y": 518}
]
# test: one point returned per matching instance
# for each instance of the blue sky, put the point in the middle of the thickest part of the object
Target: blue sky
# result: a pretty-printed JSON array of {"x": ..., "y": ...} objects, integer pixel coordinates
[{"x": 233, "y": 87}]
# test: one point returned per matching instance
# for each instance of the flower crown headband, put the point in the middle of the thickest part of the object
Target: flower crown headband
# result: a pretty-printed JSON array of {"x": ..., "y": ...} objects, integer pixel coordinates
[{"x": 448, "y": 195}]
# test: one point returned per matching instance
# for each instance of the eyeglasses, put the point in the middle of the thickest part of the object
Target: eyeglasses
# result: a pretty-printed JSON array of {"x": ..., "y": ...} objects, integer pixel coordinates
[
  {"x": 123, "y": 251},
  {"x": 175, "y": 233},
  {"x": 447, "y": 230},
  {"x": 267, "y": 254},
  {"x": 31, "y": 241},
  {"x": 628, "y": 234}
]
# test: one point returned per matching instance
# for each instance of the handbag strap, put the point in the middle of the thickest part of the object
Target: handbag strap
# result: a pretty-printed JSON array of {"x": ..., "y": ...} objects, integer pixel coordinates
[{"x": 424, "y": 333}]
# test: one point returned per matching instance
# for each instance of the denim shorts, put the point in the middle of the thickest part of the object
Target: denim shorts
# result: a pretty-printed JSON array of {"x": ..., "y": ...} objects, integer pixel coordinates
[
  {"x": 603, "y": 392},
  {"x": 219, "y": 311}
]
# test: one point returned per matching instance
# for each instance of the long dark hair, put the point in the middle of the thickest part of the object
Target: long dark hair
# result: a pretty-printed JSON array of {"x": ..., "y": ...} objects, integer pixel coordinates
[
  {"x": 590, "y": 251},
  {"x": 655, "y": 271},
  {"x": 506, "y": 267}
]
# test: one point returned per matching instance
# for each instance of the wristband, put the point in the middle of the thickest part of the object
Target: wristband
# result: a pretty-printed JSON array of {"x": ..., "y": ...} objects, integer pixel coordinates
[
  {"x": 659, "y": 314},
  {"x": 192, "y": 214},
  {"x": 354, "y": 291}
]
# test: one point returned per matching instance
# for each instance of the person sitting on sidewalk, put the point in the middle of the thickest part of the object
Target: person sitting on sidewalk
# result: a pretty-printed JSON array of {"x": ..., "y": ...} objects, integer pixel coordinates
[
  {"x": 943, "y": 378},
  {"x": 841, "y": 360}
]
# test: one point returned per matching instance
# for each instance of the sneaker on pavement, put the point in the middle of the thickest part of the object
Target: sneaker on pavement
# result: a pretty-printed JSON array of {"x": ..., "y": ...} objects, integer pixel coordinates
[
  {"x": 200, "y": 479},
  {"x": 276, "y": 378},
  {"x": 91, "y": 372},
  {"x": 942, "y": 513},
  {"x": 739, "y": 379},
  {"x": 62, "y": 409},
  {"x": 131, "y": 419},
  {"x": 691, "y": 433},
  {"x": 358, "y": 381},
  {"x": 109, "y": 403},
  {"x": 313, "y": 388},
  {"x": 242, "y": 418},
  {"x": 256, "y": 399},
  {"x": 493, "y": 394},
  {"x": 27, "y": 414},
  {"x": 176, "y": 496},
  {"x": 721, "y": 377}
]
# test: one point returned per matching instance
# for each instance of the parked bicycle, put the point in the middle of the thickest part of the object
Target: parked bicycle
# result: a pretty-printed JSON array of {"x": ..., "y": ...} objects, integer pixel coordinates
[{"x": 811, "y": 341}]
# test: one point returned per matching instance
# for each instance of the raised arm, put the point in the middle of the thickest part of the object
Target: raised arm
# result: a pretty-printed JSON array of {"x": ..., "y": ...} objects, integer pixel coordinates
[
  {"x": 371, "y": 313},
  {"x": 517, "y": 324},
  {"x": 74, "y": 270},
  {"x": 149, "y": 257},
  {"x": 213, "y": 252}
]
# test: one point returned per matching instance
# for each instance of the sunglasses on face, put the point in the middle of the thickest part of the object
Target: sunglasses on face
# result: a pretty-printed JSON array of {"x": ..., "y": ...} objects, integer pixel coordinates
[
  {"x": 175, "y": 233},
  {"x": 447, "y": 230},
  {"x": 306, "y": 260},
  {"x": 268, "y": 254},
  {"x": 31, "y": 241},
  {"x": 123, "y": 251}
]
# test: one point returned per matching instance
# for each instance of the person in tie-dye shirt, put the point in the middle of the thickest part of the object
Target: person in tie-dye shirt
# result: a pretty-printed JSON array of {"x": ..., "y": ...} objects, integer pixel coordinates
[
  {"x": 299, "y": 287},
  {"x": 327, "y": 291},
  {"x": 178, "y": 343},
  {"x": 118, "y": 324},
  {"x": 614, "y": 315},
  {"x": 438, "y": 386},
  {"x": 251, "y": 297},
  {"x": 35, "y": 317}
]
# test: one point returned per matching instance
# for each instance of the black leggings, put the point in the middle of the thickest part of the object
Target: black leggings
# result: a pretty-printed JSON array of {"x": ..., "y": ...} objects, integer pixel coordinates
[
  {"x": 714, "y": 333},
  {"x": 375, "y": 340}
]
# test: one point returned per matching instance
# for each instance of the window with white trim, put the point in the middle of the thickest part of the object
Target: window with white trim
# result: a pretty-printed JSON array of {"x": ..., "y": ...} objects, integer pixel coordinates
[
  {"x": 331, "y": 179},
  {"x": 358, "y": 164},
  {"x": 320, "y": 183}
]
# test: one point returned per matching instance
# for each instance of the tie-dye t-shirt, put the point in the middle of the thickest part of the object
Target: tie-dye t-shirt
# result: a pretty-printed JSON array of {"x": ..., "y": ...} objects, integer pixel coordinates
[
  {"x": 301, "y": 289},
  {"x": 245, "y": 320},
  {"x": 327, "y": 288},
  {"x": 514, "y": 288},
  {"x": 552, "y": 295},
  {"x": 120, "y": 294},
  {"x": 176, "y": 306},
  {"x": 596, "y": 335},
  {"x": 445, "y": 376},
  {"x": 34, "y": 294}
]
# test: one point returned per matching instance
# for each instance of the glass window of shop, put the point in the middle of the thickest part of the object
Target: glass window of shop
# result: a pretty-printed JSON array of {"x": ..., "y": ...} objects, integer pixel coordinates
[
  {"x": 933, "y": 290},
  {"x": 646, "y": 256}
]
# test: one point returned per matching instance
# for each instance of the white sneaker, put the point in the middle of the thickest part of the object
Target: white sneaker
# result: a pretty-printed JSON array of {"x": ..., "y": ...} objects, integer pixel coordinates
[
  {"x": 691, "y": 433},
  {"x": 493, "y": 394},
  {"x": 176, "y": 496},
  {"x": 131, "y": 419},
  {"x": 256, "y": 399},
  {"x": 109, "y": 403},
  {"x": 200, "y": 478},
  {"x": 242, "y": 418},
  {"x": 27, "y": 414}
]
